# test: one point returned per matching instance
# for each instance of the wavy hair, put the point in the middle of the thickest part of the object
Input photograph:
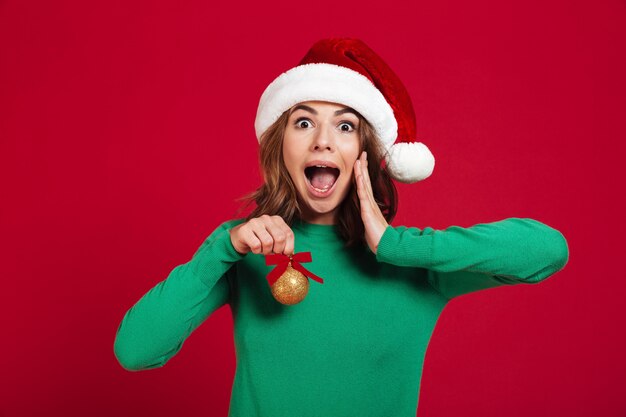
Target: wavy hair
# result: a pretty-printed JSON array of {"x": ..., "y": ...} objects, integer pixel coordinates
[{"x": 277, "y": 196}]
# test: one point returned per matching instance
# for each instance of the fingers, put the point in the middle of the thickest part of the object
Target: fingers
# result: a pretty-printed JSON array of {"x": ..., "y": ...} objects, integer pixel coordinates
[
  {"x": 282, "y": 235},
  {"x": 364, "y": 199},
  {"x": 360, "y": 186},
  {"x": 264, "y": 235},
  {"x": 244, "y": 240},
  {"x": 364, "y": 187},
  {"x": 289, "y": 237},
  {"x": 366, "y": 174}
]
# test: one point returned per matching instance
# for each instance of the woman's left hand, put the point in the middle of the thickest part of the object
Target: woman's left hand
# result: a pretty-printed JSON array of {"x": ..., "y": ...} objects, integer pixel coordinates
[{"x": 373, "y": 219}]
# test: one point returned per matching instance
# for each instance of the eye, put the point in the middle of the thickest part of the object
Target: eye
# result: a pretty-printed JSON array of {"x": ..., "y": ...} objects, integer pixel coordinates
[
  {"x": 346, "y": 126},
  {"x": 303, "y": 123}
]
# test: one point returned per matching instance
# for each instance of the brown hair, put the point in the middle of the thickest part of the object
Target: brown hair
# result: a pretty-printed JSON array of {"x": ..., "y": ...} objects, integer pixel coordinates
[{"x": 278, "y": 195}]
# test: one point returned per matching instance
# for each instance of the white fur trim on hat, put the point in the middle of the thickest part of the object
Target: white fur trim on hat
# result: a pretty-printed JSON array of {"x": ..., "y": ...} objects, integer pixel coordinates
[
  {"x": 327, "y": 82},
  {"x": 410, "y": 162}
]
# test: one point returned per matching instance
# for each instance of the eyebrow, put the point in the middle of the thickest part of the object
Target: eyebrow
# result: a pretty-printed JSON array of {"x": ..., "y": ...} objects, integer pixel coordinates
[{"x": 312, "y": 110}]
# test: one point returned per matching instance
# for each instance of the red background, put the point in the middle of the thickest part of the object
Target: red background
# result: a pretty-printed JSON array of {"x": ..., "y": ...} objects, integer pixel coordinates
[{"x": 127, "y": 134}]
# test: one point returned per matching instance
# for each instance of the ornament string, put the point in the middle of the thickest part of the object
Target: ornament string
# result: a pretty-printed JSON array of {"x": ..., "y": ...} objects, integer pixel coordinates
[{"x": 283, "y": 261}]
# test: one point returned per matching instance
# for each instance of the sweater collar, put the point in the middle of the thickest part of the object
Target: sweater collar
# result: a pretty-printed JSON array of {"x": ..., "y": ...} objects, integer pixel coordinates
[{"x": 322, "y": 230}]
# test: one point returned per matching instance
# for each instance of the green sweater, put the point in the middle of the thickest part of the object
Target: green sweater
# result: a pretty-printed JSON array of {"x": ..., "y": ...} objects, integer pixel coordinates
[{"x": 355, "y": 345}]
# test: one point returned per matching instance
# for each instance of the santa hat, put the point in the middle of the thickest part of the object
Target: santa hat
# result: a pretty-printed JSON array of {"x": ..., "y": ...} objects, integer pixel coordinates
[{"x": 348, "y": 72}]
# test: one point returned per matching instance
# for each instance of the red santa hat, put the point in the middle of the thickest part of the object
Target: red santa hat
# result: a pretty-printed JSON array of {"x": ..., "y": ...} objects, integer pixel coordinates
[{"x": 348, "y": 72}]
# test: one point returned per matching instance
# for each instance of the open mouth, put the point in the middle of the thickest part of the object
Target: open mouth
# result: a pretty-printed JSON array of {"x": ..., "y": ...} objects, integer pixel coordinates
[{"x": 321, "y": 177}]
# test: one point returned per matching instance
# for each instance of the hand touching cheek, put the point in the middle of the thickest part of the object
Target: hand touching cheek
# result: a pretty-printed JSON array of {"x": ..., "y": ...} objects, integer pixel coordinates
[{"x": 373, "y": 219}]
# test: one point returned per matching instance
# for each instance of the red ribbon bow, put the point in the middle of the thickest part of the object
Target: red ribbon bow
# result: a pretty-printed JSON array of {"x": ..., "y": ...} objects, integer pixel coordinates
[{"x": 283, "y": 262}]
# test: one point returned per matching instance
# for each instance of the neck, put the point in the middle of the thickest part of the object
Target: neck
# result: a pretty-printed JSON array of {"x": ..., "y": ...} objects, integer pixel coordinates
[{"x": 320, "y": 218}]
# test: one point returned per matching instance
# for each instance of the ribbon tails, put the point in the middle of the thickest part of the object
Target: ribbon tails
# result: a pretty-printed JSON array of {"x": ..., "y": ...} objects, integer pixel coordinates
[{"x": 283, "y": 261}]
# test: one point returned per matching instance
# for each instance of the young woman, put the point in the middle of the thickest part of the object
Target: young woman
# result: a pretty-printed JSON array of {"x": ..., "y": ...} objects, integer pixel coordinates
[{"x": 333, "y": 131}]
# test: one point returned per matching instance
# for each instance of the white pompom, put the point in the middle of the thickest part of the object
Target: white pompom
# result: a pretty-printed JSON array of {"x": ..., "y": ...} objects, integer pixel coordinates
[{"x": 410, "y": 162}]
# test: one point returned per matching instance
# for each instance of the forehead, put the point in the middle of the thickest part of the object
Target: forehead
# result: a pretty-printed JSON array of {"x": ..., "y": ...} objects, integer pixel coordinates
[
  {"x": 317, "y": 107},
  {"x": 323, "y": 104}
]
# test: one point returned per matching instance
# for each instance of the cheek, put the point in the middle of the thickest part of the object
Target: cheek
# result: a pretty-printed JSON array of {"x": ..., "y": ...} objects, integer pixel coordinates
[{"x": 350, "y": 153}]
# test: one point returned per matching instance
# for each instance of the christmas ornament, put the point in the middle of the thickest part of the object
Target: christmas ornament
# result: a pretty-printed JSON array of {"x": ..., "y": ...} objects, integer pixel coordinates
[
  {"x": 291, "y": 287},
  {"x": 288, "y": 281}
]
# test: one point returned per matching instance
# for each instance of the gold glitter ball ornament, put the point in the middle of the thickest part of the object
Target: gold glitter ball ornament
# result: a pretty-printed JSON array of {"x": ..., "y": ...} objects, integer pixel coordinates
[{"x": 291, "y": 287}]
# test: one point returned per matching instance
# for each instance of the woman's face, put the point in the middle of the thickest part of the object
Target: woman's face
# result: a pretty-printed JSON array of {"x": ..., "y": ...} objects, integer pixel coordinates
[{"x": 320, "y": 147}]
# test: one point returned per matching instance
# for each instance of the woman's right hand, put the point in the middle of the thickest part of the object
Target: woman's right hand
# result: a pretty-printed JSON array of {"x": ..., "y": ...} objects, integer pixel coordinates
[{"x": 263, "y": 235}]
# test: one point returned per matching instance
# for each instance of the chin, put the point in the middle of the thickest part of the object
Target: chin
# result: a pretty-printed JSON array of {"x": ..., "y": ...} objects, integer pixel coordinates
[{"x": 321, "y": 207}]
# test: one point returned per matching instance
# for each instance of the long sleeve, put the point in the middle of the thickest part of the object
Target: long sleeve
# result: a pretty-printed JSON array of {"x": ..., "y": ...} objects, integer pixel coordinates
[
  {"x": 155, "y": 328},
  {"x": 461, "y": 260}
]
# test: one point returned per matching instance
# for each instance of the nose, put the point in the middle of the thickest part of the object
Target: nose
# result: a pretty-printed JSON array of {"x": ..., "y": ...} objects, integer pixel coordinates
[{"x": 323, "y": 139}]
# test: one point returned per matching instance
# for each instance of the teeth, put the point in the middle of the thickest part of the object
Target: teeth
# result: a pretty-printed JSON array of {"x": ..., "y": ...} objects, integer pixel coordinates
[{"x": 321, "y": 190}]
